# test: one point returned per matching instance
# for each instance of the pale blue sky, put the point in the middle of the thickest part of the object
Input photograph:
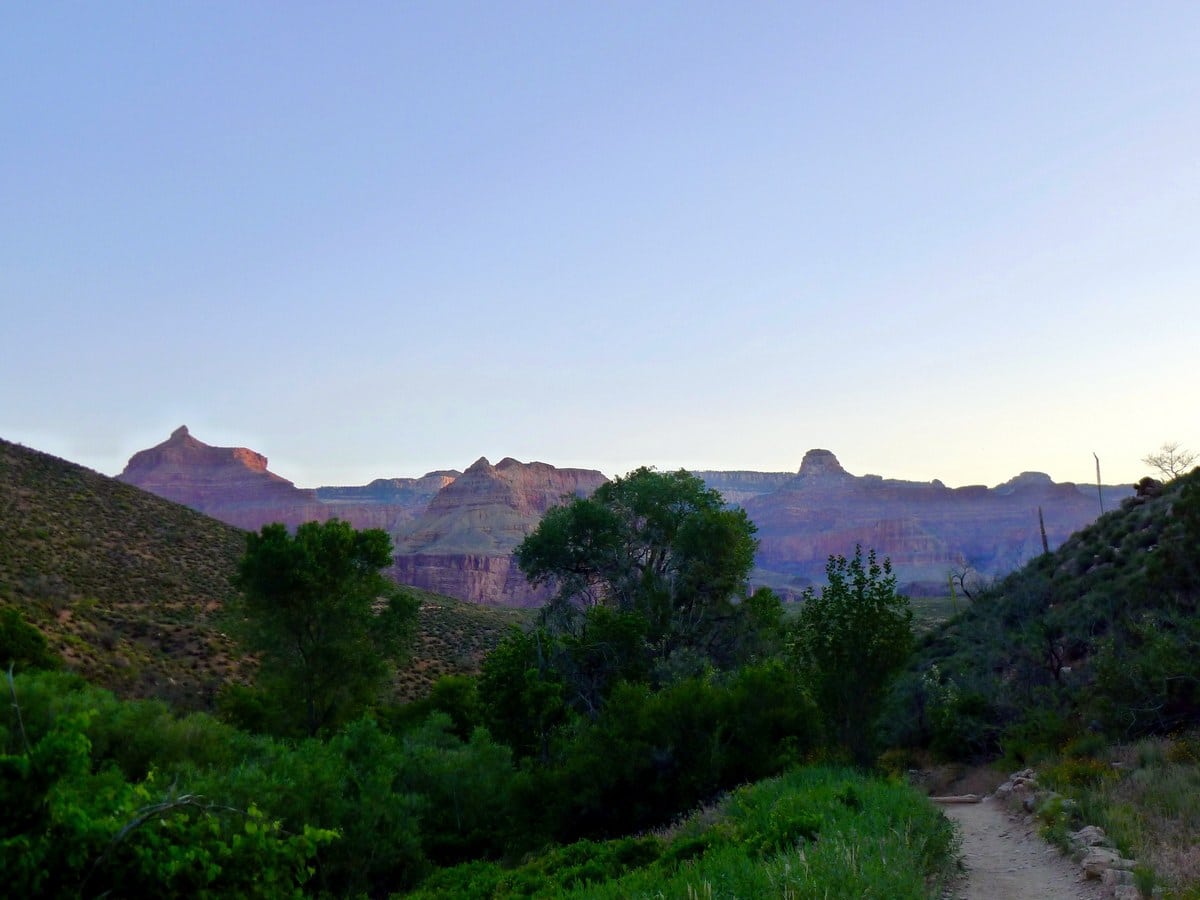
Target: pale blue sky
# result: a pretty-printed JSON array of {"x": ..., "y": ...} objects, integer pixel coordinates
[{"x": 944, "y": 240}]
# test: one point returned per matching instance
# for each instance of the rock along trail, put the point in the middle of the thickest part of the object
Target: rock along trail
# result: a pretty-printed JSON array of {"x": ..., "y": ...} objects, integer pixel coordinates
[{"x": 1005, "y": 859}]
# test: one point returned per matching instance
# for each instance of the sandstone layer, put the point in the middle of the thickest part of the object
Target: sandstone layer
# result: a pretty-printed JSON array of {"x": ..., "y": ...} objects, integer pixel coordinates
[{"x": 462, "y": 544}]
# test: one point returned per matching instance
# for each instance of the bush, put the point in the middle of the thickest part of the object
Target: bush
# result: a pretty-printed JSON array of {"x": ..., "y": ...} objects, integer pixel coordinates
[
  {"x": 71, "y": 828},
  {"x": 22, "y": 646}
]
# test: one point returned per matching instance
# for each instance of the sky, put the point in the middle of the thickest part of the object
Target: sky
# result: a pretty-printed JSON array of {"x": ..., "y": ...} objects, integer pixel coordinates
[{"x": 943, "y": 240}]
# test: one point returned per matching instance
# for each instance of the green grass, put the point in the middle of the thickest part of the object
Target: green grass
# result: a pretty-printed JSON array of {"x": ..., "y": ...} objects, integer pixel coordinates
[{"x": 814, "y": 832}]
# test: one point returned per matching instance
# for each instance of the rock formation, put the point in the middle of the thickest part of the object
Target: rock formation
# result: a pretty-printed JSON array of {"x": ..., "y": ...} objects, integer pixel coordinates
[
  {"x": 234, "y": 485},
  {"x": 462, "y": 544},
  {"x": 228, "y": 483},
  {"x": 926, "y": 528},
  {"x": 454, "y": 532}
]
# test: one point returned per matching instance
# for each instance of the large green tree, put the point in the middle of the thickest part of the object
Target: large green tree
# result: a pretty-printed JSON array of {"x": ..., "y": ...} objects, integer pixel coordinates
[
  {"x": 663, "y": 558},
  {"x": 324, "y": 620},
  {"x": 849, "y": 642}
]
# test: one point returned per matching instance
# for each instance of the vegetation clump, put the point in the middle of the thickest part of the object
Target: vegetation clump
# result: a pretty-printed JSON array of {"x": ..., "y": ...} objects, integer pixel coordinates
[
  {"x": 323, "y": 619},
  {"x": 1097, "y": 637}
]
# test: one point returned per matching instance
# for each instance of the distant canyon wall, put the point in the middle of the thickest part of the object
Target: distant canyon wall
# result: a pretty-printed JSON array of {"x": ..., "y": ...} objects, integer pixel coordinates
[{"x": 454, "y": 532}]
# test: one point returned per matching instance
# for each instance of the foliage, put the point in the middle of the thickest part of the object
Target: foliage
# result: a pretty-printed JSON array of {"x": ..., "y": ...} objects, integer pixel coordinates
[
  {"x": 72, "y": 827},
  {"x": 323, "y": 618},
  {"x": 1144, "y": 795},
  {"x": 397, "y": 803},
  {"x": 660, "y": 546},
  {"x": 521, "y": 694},
  {"x": 22, "y": 646},
  {"x": 813, "y": 832},
  {"x": 1099, "y": 636},
  {"x": 651, "y": 754},
  {"x": 849, "y": 642}
]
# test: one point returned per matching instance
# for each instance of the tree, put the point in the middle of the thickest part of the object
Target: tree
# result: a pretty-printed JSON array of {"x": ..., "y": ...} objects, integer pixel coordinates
[
  {"x": 1171, "y": 460},
  {"x": 658, "y": 546},
  {"x": 849, "y": 643},
  {"x": 323, "y": 618}
]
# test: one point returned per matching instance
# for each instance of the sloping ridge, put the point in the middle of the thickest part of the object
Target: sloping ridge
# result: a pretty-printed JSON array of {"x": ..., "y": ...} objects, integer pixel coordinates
[
  {"x": 126, "y": 586},
  {"x": 1100, "y": 633}
]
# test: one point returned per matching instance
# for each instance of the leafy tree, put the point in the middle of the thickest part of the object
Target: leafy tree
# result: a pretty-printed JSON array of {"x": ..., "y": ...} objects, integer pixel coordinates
[
  {"x": 849, "y": 643},
  {"x": 323, "y": 618},
  {"x": 659, "y": 546},
  {"x": 521, "y": 694}
]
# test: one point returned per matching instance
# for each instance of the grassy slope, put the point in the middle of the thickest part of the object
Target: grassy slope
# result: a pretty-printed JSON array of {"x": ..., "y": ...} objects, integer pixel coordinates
[
  {"x": 453, "y": 637},
  {"x": 813, "y": 832},
  {"x": 129, "y": 588}
]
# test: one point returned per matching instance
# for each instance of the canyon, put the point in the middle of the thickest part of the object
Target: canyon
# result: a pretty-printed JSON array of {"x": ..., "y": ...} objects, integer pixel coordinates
[{"x": 454, "y": 531}]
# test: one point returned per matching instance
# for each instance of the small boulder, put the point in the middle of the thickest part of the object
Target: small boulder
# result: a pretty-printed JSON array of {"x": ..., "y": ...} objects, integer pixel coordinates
[
  {"x": 1099, "y": 859},
  {"x": 1089, "y": 836}
]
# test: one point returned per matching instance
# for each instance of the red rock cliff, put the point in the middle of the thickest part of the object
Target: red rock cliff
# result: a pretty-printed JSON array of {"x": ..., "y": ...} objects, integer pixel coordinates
[{"x": 462, "y": 544}]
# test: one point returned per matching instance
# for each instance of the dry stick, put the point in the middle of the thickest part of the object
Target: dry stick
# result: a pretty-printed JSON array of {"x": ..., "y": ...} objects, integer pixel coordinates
[
  {"x": 12, "y": 689},
  {"x": 1042, "y": 525},
  {"x": 1099, "y": 491},
  {"x": 148, "y": 812}
]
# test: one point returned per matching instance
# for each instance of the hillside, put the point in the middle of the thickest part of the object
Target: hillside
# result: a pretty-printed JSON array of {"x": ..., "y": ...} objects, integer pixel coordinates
[
  {"x": 1099, "y": 636},
  {"x": 129, "y": 588},
  {"x": 126, "y": 586}
]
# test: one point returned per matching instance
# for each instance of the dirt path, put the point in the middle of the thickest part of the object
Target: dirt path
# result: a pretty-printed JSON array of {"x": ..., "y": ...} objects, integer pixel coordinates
[{"x": 1007, "y": 860}]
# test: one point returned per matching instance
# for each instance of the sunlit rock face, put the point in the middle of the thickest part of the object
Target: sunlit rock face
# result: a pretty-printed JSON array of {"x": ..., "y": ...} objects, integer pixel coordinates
[
  {"x": 462, "y": 544},
  {"x": 453, "y": 532},
  {"x": 234, "y": 485}
]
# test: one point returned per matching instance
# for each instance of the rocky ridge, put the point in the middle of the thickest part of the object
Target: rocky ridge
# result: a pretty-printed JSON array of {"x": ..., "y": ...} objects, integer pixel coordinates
[
  {"x": 928, "y": 530},
  {"x": 462, "y": 544},
  {"x": 233, "y": 484},
  {"x": 454, "y": 532}
]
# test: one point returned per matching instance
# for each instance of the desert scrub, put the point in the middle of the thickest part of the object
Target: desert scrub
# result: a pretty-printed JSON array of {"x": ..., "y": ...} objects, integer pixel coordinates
[
  {"x": 1146, "y": 797},
  {"x": 812, "y": 832}
]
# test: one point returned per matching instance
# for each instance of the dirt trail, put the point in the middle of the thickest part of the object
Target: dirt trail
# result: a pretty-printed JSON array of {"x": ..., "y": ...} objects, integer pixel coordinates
[{"x": 1007, "y": 860}]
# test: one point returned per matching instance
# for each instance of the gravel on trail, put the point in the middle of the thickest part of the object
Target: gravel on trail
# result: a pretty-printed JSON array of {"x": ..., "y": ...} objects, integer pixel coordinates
[{"x": 1006, "y": 859}]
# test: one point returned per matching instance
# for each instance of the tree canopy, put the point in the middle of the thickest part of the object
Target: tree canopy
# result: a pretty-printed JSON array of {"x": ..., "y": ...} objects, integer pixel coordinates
[
  {"x": 650, "y": 577},
  {"x": 324, "y": 619},
  {"x": 849, "y": 642},
  {"x": 660, "y": 546}
]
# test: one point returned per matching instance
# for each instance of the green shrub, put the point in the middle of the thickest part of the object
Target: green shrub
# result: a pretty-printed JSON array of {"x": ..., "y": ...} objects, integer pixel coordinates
[
  {"x": 22, "y": 646},
  {"x": 872, "y": 839},
  {"x": 71, "y": 829}
]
